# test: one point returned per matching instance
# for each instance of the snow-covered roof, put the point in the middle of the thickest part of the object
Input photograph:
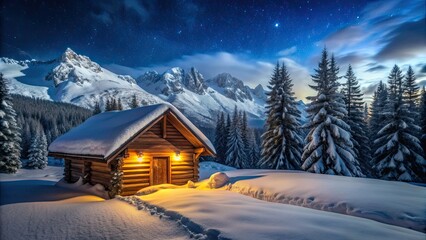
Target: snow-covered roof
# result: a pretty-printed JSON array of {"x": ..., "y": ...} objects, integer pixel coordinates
[{"x": 103, "y": 134}]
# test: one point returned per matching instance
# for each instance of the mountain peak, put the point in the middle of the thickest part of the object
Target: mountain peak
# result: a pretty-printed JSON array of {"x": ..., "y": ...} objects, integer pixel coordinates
[
  {"x": 232, "y": 87},
  {"x": 194, "y": 81}
]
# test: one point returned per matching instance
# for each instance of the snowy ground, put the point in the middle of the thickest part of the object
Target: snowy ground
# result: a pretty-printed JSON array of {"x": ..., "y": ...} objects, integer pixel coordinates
[
  {"x": 397, "y": 203},
  {"x": 255, "y": 204},
  {"x": 32, "y": 207}
]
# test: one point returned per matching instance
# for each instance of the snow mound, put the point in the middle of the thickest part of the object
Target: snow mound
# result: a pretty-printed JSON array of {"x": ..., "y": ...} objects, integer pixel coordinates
[
  {"x": 97, "y": 189},
  {"x": 208, "y": 168},
  {"x": 216, "y": 180}
]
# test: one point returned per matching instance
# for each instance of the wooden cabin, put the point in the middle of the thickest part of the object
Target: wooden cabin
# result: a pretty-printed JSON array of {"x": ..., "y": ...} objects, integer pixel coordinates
[{"x": 126, "y": 151}]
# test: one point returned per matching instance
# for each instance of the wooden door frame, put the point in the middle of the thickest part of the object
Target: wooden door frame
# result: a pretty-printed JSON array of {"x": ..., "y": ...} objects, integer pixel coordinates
[{"x": 169, "y": 167}]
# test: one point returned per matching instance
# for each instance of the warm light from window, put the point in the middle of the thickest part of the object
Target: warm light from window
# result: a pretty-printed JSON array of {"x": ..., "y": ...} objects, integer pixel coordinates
[
  {"x": 140, "y": 156},
  {"x": 177, "y": 156}
]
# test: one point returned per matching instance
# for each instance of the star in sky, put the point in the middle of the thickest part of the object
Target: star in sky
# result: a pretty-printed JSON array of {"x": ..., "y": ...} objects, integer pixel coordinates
[{"x": 276, "y": 25}]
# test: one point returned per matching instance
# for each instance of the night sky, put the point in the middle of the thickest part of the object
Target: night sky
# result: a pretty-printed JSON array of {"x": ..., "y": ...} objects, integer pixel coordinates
[{"x": 244, "y": 38}]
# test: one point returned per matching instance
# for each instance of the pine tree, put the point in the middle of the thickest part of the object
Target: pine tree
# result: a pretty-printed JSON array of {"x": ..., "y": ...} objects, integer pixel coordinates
[
  {"x": 220, "y": 139},
  {"x": 411, "y": 93},
  {"x": 37, "y": 154},
  {"x": 228, "y": 124},
  {"x": 253, "y": 153},
  {"x": 97, "y": 108},
  {"x": 282, "y": 143},
  {"x": 399, "y": 155},
  {"x": 134, "y": 103},
  {"x": 245, "y": 134},
  {"x": 119, "y": 105},
  {"x": 422, "y": 106},
  {"x": 355, "y": 119},
  {"x": 235, "y": 154},
  {"x": 366, "y": 115},
  {"x": 114, "y": 105},
  {"x": 108, "y": 105},
  {"x": 376, "y": 112},
  {"x": 10, "y": 138},
  {"x": 329, "y": 146}
]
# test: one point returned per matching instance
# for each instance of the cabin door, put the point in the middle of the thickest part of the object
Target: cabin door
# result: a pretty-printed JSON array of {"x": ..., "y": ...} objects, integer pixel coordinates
[{"x": 160, "y": 170}]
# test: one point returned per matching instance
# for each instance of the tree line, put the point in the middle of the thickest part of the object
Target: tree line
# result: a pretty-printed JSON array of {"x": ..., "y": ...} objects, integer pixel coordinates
[
  {"x": 112, "y": 104},
  {"x": 29, "y": 125},
  {"x": 236, "y": 144},
  {"x": 342, "y": 136}
]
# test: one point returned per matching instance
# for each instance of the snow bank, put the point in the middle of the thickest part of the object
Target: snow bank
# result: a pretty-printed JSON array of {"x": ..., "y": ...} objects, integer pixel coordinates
[
  {"x": 93, "y": 138},
  {"x": 207, "y": 168},
  {"x": 396, "y": 203},
  {"x": 97, "y": 189},
  {"x": 227, "y": 215}
]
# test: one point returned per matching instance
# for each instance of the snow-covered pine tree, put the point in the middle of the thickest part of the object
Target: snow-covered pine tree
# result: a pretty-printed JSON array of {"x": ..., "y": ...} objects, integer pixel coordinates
[
  {"x": 97, "y": 108},
  {"x": 270, "y": 123},
  {"x": 220, "y": 139},
  {"x": 411, "y": 95},
  {"x": 399, "y": 155},
  {"x": 366, "y": 115},
  {"x": 377, "y": 118},
  {"x": 253, "y": 153},
  {"x": 235, "y": 154},
  {"x": 37, "y": 154},
  {"x": 355, "y": 119},
  {"x": 134, "y": 103},
  {"x": 10, "y": 138},
  {"x": 283, "y": 142},
  {"x": 245, "y": 134},
  {"x": 329, "y": 146},
  {"x": 228, "y": 123}
]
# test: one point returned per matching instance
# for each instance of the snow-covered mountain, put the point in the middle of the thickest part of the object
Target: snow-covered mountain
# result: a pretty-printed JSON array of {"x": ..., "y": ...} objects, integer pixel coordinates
[
  {"x": 202, "y": 99},
  {"x": 72, "y": 78},
  {"x": 77, "y": 79}
]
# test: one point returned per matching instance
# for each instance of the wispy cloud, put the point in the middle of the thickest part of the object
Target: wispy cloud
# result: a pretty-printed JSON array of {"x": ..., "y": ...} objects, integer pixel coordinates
[
  {"x": 287, "y": 51},
  {"x": 387, "y": 33}
]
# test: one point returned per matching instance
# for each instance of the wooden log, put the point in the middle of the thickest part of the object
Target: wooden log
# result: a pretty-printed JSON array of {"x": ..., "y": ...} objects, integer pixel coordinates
[
  {"x": 101, "y": 174},
  {"x": 100, "y": 169},
  {"x": 136, "y": 176},
  {"x": 136, "y": 165},
  {"x": 183, "y": 172},
  {"x": 183, "y": 176},
  {"x": 104, "y": 182},
  {"x": 135, "y": 171},
  {"x": 182, "y": 168},
  {"x": 99, "y": 164},
  {"x": 134, "y": 187},
  {"x": 136, "y": 180}
]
